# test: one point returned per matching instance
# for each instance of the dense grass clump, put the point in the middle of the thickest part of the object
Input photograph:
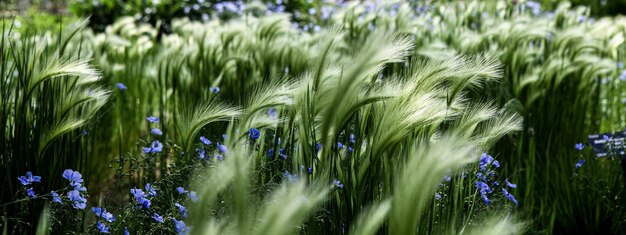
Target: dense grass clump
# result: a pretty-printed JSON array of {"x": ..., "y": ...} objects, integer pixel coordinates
[{"x": 366, "y": 119}]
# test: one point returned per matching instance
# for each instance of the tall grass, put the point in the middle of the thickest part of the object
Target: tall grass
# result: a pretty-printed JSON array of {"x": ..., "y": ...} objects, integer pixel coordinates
[
  {"x": 49, "y": 96},
  {"x": 423, "y": 93}
]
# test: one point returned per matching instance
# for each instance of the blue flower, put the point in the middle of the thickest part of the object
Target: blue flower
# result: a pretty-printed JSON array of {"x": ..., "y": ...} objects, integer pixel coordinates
[
  {"x": 102, "y": 227},
  {"x": 485, "y": 160},
  {"x": 156, "y": 131},
  {"x": 290, "y": 177},
  {"x": 74, "y": 177},
  {"x": 30, "y": 193},
  {"x": 352, "y": 138},
  {"x": 182, "y": 210},
  {"x": 485, "y": 199},
  {"x": 509, "y": 196},
  {"x": 77, "y": 200},
  {"x": 205, "y": 141},
  {"x": 270, "y": 153},
  {"x": 120, "y": 86},
  {"x": 222, "y": 148},
  {"x": 151, "y": 191},
  {"x": 136, "y": 192},
  {"x": 580, "y": 163},
  {"x": 340, "y": 145},
  {"x": 509, "y": 184},
  {"x": 483, "y": 187},
  {"x": 140, "y": 198},
  {"x": 56, "y": 198},
  {"x": 254, "y": 133},
  {"x": 219, "y": 157},
  {"x": 282, "y": 154},
  {"x": 156, "y": 146},
  {"x": 318, "y": 146},
  {"x": 181, "y": 190},
  {"x": 214, "y": 89},
  {"x": 193, "y": 196},
  {"x": 579, "y": 146},
  {"x": 447, "y": 178},
  {"x": 201, "y": 153},
  {"x": 103, "y": 213},
  {"x": 126, "y": 231},
  {"x": 153, "y": 119},
  {"x": 496, "y": 163},
  {"x": 272, "y": 113},
  {"x": 437, "y": 196},
  {"x": 157, "y": 218},
  {"x": 181, "y": 227},
  {"x": 337, "y": 183},
  {"x": 147, "y": 150},
  {"x": 29, "y": 178}
]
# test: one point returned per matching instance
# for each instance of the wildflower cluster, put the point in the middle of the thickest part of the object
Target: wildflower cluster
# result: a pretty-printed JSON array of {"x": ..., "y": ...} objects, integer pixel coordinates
[
  {"x": 27, "y": 180},
  {"x": 156, "y": 146},
  {"x": 485, "y": 180}
]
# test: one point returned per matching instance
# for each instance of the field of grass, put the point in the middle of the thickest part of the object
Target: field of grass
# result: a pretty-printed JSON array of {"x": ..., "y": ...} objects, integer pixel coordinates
[{"x": 389, "y": 117}]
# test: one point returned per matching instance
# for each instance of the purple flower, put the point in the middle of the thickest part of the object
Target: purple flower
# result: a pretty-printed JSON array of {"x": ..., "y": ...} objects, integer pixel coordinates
[
  {"x": 496, "y": 163},
  {"x": 156, "y": 131},
  {"x": 580, "y": 163},
  {"x": 102, "y": 227},
  {"x": 193, "y": 196},
  {"x": 56, "y": 198},
  {"x": 157, "y": 218},
  {"x": 153, "y": 119},
  {"x": 30, "y": 193},
  {"x": 205, "y": 141},
  {"x": 579, "y": 146},
  {"x": 214, "y": 89},
  {"x": 254, "y": 133},
  {"x": 219, "y": 157},
  {"x": 29, "y": 178},
  {"x": 181, "y": 190},
  {"x": 120, "y": 86},
  {"x": 509, "y": 184}
]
